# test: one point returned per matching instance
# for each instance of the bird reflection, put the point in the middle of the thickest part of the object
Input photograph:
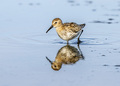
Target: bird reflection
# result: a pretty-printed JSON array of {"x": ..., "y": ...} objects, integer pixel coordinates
[{"x": 66, "y": 55}]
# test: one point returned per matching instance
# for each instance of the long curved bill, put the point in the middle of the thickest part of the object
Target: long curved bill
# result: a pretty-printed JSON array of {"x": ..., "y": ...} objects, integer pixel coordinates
[
  {"x": 49, "y": 60},
  {"x": 49, "y": 28}
]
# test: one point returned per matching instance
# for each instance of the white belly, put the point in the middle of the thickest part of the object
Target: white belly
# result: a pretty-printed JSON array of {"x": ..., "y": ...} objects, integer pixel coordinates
[{"x": 68, "y": 36}]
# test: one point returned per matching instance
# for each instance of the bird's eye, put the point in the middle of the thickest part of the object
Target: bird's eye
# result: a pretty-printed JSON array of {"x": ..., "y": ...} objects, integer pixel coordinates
[
  {"x": 54, "y": 65},
  {"x": 55, "y": 22}
]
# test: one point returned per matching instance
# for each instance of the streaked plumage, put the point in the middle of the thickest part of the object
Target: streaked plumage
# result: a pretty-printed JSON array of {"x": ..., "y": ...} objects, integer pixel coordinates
[
  {"x": 67, "y": 31},
  {"x": 66, "y": 55}
]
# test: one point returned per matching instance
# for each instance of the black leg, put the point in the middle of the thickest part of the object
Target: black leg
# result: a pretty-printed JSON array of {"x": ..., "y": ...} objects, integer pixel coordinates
[
  {"x": 79, "y": 42},
  {"x": 67, "y": 42},
  {"x": 80, "y": 34},
  {"x": 79, "y": 37}
]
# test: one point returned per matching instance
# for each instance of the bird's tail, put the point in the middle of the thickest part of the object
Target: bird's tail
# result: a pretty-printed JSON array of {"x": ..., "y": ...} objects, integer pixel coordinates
[{"x": 82, "y": 25}]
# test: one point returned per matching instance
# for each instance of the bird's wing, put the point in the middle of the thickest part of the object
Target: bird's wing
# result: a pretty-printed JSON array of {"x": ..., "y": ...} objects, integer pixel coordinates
[{"x": 72, "y": 27}]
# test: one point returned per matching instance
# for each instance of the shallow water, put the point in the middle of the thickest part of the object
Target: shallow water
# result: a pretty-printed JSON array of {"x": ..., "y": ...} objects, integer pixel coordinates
[{"x": 24, "y": 44}]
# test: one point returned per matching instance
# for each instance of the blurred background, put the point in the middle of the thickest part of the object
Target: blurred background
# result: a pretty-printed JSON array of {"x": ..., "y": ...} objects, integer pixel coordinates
[{"x": 24, "y": 43}]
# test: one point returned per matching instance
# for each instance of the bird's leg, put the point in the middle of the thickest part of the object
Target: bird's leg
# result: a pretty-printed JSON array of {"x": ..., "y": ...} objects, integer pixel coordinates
[
  {"x": 80, "y": 34},
  {"x": 67, "y": 42},
  {"x": 79, "y": 37}
]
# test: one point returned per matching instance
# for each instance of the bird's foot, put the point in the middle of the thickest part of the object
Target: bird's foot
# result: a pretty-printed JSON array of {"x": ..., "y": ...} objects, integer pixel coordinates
[{"x": 79, "y": 41}]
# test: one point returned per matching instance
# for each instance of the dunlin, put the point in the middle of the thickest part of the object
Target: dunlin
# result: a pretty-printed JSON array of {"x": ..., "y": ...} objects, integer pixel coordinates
[{"x": 67, "y": 31}]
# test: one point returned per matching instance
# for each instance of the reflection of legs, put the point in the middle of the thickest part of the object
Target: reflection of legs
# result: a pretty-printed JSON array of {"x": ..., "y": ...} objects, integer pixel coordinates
[
  {"x": 80, "y": 52},
  {"x": 79, "y": 37}
]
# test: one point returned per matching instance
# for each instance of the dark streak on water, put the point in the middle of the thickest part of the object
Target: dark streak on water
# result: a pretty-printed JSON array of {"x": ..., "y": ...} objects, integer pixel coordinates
[
  {"x": 89, "y": 2},
  {"x": 105, "y": 65},
  {"x": 117, "y": 65},
  {"x": 114, "y": 66},
  {"x": 70, "y": 1},
  {"x": 110, "y": 19},
  {"x": 103, "y": 55},
  {"x": 101, "y": 22},
  {"x": 104, "y": 22}
]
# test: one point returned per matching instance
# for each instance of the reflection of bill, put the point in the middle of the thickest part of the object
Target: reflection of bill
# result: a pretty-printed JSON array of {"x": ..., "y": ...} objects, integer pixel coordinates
[{"x": 66, "y": 55}]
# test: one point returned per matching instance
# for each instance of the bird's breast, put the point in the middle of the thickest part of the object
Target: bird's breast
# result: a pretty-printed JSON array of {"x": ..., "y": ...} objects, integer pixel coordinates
[{"x": 66, "y": 34}]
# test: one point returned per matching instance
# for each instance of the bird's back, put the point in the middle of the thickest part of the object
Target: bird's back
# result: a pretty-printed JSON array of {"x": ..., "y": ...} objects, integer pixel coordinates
[
  {"x": 72, "y": 27},
  {"x": 68, "y": 31}
]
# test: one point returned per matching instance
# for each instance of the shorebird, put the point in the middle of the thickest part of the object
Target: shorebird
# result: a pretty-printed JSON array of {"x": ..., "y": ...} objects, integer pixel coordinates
[
  {"x": 67, "y": 31},
  {"x": 66, "y": 55}
]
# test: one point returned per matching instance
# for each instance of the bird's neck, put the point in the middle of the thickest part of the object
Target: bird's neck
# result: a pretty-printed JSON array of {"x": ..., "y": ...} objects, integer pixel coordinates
[{"x": 58, "y": 30}]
